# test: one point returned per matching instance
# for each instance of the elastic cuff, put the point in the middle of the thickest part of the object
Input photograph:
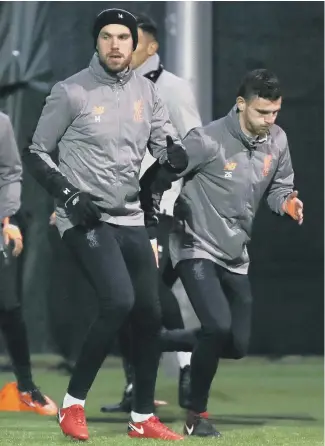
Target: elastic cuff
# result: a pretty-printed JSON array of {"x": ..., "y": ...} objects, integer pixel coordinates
[{"x": 70, "y": 198}]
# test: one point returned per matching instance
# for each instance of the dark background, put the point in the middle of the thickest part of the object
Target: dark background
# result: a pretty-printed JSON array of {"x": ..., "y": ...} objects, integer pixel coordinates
[{"x": 287, "y": 269}]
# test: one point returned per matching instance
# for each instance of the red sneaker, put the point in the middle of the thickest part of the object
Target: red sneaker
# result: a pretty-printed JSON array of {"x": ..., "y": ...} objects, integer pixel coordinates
[
  {"x": 204, "y": 414},
  {"x": 73, "y": 422},
  {"x": 152, "y": 428}
]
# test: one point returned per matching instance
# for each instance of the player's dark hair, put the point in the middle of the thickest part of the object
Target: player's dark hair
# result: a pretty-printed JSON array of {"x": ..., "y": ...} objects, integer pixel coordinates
[
  {"x": 261, "y": 83},
  {"x": 147, "y": 25}
]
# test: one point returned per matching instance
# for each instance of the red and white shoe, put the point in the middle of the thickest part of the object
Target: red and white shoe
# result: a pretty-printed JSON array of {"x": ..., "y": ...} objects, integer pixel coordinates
[
  {"x": 152, "y": 428},
  {"x": 72, "y": 421}
]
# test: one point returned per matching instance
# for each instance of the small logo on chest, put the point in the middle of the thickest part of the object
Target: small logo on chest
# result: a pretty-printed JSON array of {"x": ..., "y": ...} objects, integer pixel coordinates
[
  {"x": 97, "y": 112},
  {"x": 229, "y": 168}
]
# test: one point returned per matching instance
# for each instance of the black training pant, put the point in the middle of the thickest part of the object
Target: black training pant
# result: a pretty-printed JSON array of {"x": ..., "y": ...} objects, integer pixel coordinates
[
  {"x": 11, "y": 319},
  {"x": 120, "y": 264},
  {"x": 222, "y": 301},
  {"x": 171, "y": 314}
]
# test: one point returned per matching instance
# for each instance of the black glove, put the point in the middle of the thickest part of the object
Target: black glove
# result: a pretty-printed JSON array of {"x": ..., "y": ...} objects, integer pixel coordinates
[
  {"x": 81, "y": 208},
  {"x": 176, "y": 155}
]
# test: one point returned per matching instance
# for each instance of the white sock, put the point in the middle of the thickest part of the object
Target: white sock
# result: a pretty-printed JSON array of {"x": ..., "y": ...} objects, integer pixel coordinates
[
  {"x": 139, "y": 417},
  {"x": 69, "y": 400},
  {"x": 184, "y": 359}
]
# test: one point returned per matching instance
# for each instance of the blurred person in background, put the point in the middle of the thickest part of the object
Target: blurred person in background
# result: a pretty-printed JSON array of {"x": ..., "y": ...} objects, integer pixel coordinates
[
  {"x": 102, "y": 119},
  {"x": 179, "y": 99},
  {"x": 234, "y": 162},
  {"x": 11, "y": 246}
]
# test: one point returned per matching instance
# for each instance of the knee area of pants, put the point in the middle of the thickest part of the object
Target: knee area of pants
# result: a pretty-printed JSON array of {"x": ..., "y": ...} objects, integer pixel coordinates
[
  {"x": 120, "y": 308},
  {"x": 148, "y": 313},
  {"x": 152, "y": 322},
  {"x": 220, "y": 332}
]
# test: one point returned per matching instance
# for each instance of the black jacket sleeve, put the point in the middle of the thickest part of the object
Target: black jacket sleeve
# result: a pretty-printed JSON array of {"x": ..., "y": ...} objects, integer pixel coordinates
[{"x": 57, "y": 115}]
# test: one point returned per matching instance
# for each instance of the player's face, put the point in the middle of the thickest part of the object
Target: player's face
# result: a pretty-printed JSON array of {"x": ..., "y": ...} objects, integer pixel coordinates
[
  {"x": 114, "y": 47},
  {"x": 147, "y": 46},
  {"x": 258, "y": 114}
]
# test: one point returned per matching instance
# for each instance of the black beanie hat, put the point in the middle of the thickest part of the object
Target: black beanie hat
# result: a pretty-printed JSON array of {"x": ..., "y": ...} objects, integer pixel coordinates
[{"x": 116, "y": 16}]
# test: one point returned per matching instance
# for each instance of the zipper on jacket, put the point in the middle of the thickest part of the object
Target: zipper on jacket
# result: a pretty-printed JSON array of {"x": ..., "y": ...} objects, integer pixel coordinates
[
  {"x": 249, "y": 191},
  {"x": 115, "y": 88}
]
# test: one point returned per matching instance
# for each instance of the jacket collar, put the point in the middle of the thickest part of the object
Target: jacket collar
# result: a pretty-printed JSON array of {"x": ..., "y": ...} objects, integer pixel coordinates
[
  {"x": 151, "y": 64},
  {"x": 233, "y": 125},
  {"x": 105, "y": 77}
]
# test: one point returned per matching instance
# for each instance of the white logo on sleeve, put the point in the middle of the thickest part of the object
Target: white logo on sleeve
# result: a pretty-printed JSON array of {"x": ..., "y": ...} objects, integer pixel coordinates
[
  {"x": 120, "y": 16},
  {"x": 75, "y": 200},
  {"x": 66, "y": 191}
]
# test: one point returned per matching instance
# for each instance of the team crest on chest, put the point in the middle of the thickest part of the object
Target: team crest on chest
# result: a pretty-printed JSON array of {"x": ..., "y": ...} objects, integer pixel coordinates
[
  {"x": 138, "y": 111},
  {"x": 267, "y": 165}
]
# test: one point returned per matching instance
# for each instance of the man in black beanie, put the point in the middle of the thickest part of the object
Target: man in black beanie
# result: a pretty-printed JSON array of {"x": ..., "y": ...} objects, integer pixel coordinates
[
  {"x": 102, "y": 119},
  {"x": 116, "y": 16}
]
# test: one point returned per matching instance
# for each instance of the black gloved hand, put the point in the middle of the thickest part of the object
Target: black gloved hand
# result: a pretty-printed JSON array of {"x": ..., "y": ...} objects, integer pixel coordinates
[
  {"x": 176, "y": 155},
  {"x": 81, "y": 208},
  {"x": 163, "y": 181}
]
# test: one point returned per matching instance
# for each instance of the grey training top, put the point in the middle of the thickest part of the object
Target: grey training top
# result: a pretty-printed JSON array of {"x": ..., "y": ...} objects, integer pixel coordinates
[
  {"x": 10, "y": 170},
  {"x": 102, "y": 125},
  {"x": 227, "y": 176}
]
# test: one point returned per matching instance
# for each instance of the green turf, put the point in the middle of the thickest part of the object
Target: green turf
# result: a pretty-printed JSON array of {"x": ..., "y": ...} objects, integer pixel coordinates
[{"x": 254, "y": 403}]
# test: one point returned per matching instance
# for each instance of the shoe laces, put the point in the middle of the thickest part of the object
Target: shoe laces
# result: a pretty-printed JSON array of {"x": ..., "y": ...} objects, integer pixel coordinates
[
  {"x": 78, "y": 414},
  {"x": 162, "y": 426},
  {"x": 154, "y": 419},
  {"x": 207, "y": 424}
]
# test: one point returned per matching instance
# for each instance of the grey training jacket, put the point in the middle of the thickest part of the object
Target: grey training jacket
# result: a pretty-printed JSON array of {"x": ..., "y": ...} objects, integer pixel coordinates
[
  {"x": 10, "y": 170},
  {"x": 102, "y": 125},
  {"x": 226, "y": 178}
]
